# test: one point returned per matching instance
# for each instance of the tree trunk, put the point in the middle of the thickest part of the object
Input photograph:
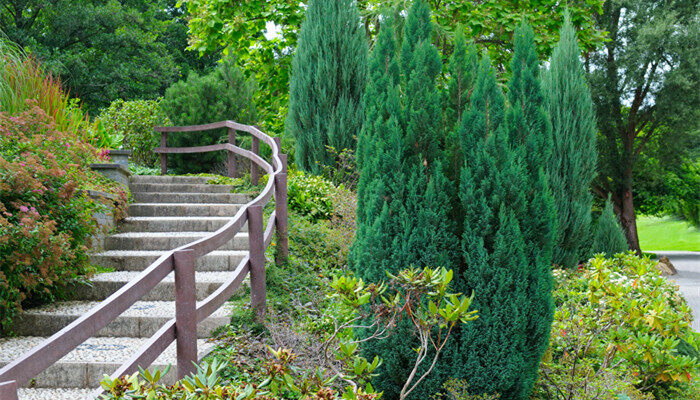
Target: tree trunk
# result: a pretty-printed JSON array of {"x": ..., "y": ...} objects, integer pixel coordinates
[{"x": 628, "y": 219}]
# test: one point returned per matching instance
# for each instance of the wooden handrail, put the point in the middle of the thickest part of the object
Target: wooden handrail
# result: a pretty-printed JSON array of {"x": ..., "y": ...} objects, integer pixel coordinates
[{"x": 181, "y": 260}]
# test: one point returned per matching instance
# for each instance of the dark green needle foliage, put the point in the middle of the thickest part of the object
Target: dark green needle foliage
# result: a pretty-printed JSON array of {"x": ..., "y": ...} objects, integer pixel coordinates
[
  {"x": 608, "y": 236},
  {"x": 531, "y": 138},
  {"x": 224, "y": 94},
  {"x": 401, "y": 192},
  {"x": 574, "y": 157},
  {"x": 494, "y": 353},
  {"x": 329, "y": 73}
]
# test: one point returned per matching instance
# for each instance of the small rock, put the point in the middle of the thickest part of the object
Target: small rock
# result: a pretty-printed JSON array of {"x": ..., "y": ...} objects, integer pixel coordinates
[{"x": 666, "y": 267}]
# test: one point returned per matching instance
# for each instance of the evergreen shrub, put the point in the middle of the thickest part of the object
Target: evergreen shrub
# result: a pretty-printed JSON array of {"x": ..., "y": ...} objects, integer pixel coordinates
[
  {"x": 224, "y": 94},
  {"x": 608, "y": 237}
]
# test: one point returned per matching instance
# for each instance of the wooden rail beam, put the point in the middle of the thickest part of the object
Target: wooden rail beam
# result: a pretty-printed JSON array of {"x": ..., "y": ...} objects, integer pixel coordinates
[{"x": 8, "y": 390}]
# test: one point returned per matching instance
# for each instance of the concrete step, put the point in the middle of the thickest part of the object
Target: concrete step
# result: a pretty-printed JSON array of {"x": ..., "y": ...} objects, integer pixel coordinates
[
  {"x": 138, "y": 260},
  {"x": 85, "y": 366},
  {"x": 55, "y": 394},
  {"x": 175, "y": 224},
  {"x": 183, "y": 209},
  {"x": 166, "y": 240},
  {"x": 103, "y": 285},
  {"x": 179, "y": 188},
  {"x": 155, "y": 197},
  {"x": 168, "y": 179},
  {"x": 141, "y": 320}
]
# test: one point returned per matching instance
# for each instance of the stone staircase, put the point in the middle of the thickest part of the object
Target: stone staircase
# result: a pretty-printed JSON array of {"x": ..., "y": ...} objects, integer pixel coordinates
[{"x": 168, "y": 211}]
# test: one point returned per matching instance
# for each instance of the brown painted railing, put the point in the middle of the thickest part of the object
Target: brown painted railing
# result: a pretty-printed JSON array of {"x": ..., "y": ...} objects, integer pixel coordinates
[{"x": 183, "y": 328}]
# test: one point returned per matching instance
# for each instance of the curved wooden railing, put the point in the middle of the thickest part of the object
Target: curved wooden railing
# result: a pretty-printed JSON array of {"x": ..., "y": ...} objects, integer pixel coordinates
[{"x": 183, "y": 328}]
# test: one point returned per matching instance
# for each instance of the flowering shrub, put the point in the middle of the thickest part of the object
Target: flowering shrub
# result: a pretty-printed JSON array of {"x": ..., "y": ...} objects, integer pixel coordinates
[
  {"x": 45, "y": 220},
  {"x": 618, "y": 327}
]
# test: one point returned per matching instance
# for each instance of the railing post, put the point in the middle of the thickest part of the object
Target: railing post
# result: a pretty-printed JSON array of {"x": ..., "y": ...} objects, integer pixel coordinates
[
  {"x": 163, "y": 156},
  {"x": 281, "y": 209},
  {"x": 232, "y": 167},
  {"x": 257, "y": 260},
  {"x": 8, "y": 390},
  {"x": 254, "y": 172},
  {"x": 185, "y": 312}
]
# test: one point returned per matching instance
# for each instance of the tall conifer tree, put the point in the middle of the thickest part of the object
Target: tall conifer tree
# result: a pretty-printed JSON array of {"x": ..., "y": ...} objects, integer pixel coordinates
[
  {"x": 327, "y": 83},
  {"x": 401, "y": 197},
  {"x": 531, "y": 138},
  {"x": 493, "y": 351},
  {"x": 574, "y": 157}
]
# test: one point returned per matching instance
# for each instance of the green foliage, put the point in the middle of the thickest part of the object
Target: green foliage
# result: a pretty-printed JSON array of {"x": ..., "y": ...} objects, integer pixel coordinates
[
  {"x": 244, "y": 31},
  {"x": 23, "y": 79},
  {"x": 106, "y": 50},
  {"x": 135, "y": 120},
  {"x": 310, "y": 195},
  {"x": 45, "y": 221},
  {"x": 644, "y": 84},
  {"x": 618, "y": 325},
  {"x": 573, "y": 162},
  {"x": 224, "y": 94},
  {"x": 608, "y": 237},
  {"x": 327, "y": 83}
]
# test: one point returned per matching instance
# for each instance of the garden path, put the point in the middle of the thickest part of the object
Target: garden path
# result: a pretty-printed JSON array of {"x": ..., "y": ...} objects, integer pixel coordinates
[
  {"x": 688, "y": 279},
  {"x": 167, "y": 212}
]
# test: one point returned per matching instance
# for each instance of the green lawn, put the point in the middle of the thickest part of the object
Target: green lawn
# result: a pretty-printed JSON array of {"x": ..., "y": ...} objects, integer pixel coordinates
[{"x": 667, "y": 234}]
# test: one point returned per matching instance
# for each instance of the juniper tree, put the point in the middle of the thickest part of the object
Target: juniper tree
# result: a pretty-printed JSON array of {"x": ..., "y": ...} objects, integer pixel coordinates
[
  {"x": 608, "y": 236},
  {"x": 574, "y": 158},
  {"x": 493, "y": 353},
  {"x": 530, "y": 135},
  {"x": 327, "y": 84},
  {"x": 401, "y": 197}
]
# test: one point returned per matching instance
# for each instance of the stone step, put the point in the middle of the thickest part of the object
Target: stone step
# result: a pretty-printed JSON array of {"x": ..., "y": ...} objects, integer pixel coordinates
[
  {"x": 85, "y": 366},
  {"x": 166, "y": 240},
  {"x": 138, "y": 260},
  {"x": 169, "y": 179},
  {"x": 175, "y": 224},
  {"x": 156, "y": 197},
  {"x": 55, "y": 394},
  {"x": 103, "y": 285},
  {"x": 141, "y": 320},
  {"x": 183, "y": 209},
  {"x": 179, "y": 188}
]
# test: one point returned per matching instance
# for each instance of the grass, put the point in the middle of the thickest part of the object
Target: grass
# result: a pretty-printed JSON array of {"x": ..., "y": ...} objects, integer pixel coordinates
[{"x": 667, "y": 233}]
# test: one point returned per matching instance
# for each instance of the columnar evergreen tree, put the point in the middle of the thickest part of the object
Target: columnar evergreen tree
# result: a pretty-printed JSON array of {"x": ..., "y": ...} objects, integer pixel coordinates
[
  {"x": 574, "y": 157},
  {"x": 401, "y": 197},
  {"x": 494, "y": 350},
  {"x": 531, "y": 137},
  {"x": 327, "y": 83},
  {"x": 608, "y": 236}
]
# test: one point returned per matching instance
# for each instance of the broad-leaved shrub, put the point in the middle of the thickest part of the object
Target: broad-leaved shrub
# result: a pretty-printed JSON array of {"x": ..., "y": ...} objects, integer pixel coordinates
[
  {"x": 45, "y": 218},
  {"x": 619, "y": 326},
  {"x": 134, "y": 121}
]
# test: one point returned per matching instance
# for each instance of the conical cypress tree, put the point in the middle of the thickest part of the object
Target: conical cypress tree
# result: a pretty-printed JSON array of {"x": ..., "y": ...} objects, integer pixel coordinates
[
  {"x": 574, "y": 157},
  {"x": 608, "y": 236},
  {"x": 327, "y": 83},
  {"x": 531, "y": 137}
]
